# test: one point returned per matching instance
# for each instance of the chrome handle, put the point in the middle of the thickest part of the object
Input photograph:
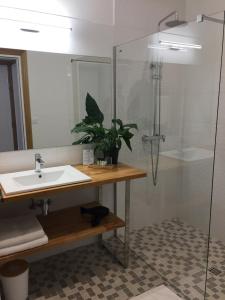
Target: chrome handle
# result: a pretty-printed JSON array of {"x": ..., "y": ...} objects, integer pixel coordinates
[
  {"x": 38, "y": 158},
  {"x": 39, "y": 163}
]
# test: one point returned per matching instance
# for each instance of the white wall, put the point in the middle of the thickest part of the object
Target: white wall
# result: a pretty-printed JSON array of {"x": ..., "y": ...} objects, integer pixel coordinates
[
  {"x": 208, "y": 7},
  {"x": 84, "y": 39},
  {"x": 55, "y": 81},
  {"x": 50, "y": 86},
  {"x": 95, "y": 79},
  {"x": 97, "y": 11},
  {"x": 135, "y": 19},
  {"x": 91, "y": 28}
]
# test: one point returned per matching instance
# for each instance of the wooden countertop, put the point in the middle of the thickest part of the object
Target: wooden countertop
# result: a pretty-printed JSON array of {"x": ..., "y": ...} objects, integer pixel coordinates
[{"x": 99, "y": 177}]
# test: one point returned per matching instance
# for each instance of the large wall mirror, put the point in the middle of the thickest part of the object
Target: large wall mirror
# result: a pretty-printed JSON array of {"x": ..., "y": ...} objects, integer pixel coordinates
[{"x": 42, "y": 96}]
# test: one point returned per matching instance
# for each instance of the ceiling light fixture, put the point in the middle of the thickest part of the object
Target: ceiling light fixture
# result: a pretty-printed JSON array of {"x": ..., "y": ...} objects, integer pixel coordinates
[
  {"x": 177, "y": 45},
  {"x": 33, "y": 21},
  {"x": 160, "y": 47},
  {"x": 29, "y": 30},
  {"x": 29, "y": 25}
]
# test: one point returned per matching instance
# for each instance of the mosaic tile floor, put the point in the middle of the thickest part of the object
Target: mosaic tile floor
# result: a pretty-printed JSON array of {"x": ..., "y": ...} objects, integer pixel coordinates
[
  {"x": 160, "y": 292},
  {"x": 171, "y": 253},
  {"x": 178, "y": 252},
  {"x": 89, "y": 273}
]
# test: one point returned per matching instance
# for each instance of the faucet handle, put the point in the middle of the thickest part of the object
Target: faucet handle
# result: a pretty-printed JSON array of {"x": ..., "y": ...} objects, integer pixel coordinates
[{"x": 37, "y": 156}]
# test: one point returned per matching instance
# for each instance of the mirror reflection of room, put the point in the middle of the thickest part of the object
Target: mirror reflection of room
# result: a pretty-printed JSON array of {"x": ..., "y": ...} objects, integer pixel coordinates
[
  {"x": 33, "y": 83},
  {"x": 12, "y": 123}
]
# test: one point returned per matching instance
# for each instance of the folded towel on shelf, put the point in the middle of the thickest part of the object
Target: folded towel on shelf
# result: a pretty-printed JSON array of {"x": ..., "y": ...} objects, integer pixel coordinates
[
  {"x": 19, "y": 230},
  {"x": 25, "y": 246}
]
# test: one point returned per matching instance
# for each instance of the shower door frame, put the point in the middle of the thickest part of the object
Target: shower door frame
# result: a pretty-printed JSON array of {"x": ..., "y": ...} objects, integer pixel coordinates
[{"x": 215, "y": 20}]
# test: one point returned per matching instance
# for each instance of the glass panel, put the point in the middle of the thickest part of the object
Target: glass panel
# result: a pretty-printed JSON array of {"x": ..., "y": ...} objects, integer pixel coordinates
[
  {"x": 168, "y": 84},
  {"x": 215, "y": 287}
]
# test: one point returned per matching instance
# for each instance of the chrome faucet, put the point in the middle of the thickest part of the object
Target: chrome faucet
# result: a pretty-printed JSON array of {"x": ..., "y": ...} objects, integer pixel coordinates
[
  {"x": 146, "y": 138},
  {"x": 39, "y": 162}
]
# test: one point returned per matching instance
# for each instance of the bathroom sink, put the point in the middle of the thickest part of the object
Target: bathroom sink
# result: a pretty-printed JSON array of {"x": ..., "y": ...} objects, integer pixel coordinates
[{"x": 49, "y": 177}]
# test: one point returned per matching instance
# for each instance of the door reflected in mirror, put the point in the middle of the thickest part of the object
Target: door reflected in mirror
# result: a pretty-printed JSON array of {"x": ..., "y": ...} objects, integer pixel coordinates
[{"x": 42, "y": 96}]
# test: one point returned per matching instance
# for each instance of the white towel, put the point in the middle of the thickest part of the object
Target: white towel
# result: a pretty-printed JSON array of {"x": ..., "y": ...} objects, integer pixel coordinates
[
  {"x": 19, "y": 230},
  {"x": 29, "y": 245}
]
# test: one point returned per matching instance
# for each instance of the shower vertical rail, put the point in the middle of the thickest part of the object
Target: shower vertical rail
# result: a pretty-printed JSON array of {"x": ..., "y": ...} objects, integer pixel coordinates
[
  {"x": 156, "y": 137},
  {"x": 114, "y": 116}
]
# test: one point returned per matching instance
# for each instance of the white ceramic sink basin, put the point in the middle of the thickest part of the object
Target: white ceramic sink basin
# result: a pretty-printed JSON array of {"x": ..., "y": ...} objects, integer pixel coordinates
[{"x": 49, "y": 177}]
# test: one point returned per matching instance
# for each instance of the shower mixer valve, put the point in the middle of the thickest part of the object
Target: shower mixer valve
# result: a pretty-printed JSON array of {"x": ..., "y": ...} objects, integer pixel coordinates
[{"x": 147, "y": 139}]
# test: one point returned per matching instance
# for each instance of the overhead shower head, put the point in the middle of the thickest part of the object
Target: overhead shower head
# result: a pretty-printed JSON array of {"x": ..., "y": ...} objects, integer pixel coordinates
[
  {"x": 175, "y": 23},
  {"x": 172, "y": 23}
]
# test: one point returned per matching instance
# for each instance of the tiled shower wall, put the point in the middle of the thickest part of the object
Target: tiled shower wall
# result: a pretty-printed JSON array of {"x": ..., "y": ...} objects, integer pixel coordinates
[
  {"x": 134, "y": 93},
  {"x": 218, "y": 205},
  {"x": 189, "y": 102}
]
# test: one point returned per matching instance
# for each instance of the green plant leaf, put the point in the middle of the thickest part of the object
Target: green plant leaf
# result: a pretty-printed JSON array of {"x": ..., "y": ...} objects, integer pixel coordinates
[
  {"x": 117, "y": 121},
  {"x": 82, "y": 128},
  {"x": 127, "y": 141},
  {"x": 106, "y": 140},
  {"x": 119, "y": 143},
  {"x": 83, "y": 140},
  {"x": 125, "y": 132},
  {"x": 94, "y": 114}
]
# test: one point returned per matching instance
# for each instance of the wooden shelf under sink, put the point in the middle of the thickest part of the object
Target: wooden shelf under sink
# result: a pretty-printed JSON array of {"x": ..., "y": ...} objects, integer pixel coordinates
[{"x": 66, "y": 226}]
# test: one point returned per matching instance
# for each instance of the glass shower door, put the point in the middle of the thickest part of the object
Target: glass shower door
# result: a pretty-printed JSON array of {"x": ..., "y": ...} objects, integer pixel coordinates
[{"x": 168, "y": 84}]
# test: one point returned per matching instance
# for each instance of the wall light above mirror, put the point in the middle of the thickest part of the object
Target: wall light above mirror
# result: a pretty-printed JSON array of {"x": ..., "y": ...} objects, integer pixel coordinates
[
  {"x": 42, "y": 96},
  {"x": 29, "y": 19}
]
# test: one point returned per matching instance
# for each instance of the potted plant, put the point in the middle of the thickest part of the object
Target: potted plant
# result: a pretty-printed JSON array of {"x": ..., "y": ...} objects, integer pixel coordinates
[{"x": 108, "y": 142}]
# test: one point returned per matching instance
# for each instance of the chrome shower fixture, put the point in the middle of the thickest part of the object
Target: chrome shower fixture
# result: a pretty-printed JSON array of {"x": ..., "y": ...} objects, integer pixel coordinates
[
  {"x": 202, "y": 18},
  {"x": 173, "y": 23}
]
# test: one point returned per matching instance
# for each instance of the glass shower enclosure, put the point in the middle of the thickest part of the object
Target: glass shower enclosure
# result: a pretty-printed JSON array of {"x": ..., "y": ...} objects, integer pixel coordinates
[{"x": 168, "y": 83}]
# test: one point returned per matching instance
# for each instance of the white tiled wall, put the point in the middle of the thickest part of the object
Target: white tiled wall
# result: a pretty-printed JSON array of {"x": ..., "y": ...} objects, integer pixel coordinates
[{"x": 135, "y": 104}]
